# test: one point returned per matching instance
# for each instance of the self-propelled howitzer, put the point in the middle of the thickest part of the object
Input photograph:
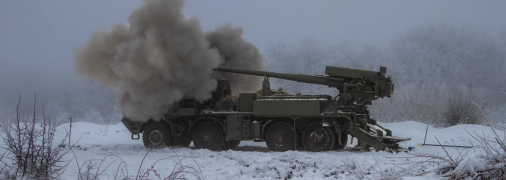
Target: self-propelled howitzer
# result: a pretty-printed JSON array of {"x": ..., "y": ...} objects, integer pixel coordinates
[{"x": 285, "y": 122}]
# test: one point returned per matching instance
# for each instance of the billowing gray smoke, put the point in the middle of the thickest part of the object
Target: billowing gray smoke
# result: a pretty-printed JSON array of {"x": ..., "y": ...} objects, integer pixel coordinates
[
  {"x": 237, "y": 53},
  {"x": 162, "y": 56}
]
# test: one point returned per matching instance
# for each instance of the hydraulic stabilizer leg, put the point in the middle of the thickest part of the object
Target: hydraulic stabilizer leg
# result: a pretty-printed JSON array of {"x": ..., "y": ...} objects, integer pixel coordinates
[
  {"x": 361, "y": 146},
  {"x": 371, "y": 139}
]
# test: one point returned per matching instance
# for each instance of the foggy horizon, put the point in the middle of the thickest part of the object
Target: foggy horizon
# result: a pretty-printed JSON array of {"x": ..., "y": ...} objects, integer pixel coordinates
[{"x": 39, "y": 39}]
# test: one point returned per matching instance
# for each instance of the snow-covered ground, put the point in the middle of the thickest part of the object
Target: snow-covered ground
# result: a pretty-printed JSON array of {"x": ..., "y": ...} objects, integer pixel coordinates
[{"x": 252, "y": 160}]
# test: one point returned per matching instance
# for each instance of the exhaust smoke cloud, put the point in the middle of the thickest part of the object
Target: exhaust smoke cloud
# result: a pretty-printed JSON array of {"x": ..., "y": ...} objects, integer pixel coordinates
[{"x": 161, "y": 56}]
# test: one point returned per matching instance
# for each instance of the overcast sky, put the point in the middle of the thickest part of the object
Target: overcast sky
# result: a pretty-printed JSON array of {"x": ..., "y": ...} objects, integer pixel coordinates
[{"x": 38, "y": 38}]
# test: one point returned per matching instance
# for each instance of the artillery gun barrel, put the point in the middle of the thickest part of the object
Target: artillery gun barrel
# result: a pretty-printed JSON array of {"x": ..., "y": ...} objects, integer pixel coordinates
[{"x": 322, "y": 80}]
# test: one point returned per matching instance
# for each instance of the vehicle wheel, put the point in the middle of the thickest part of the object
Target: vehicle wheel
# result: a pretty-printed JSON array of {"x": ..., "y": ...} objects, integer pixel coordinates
[
  {"x": 318, "y": 138},
  {"x": 157, "y": 135},
  {"x": 208, "y": 136},
  {"x": 228, "y": 145},
  {"x": 281, "y": 137},
  {"x": 344, "y": 140}
]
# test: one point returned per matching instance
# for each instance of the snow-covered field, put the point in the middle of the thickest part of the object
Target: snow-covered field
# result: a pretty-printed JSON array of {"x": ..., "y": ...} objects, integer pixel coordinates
[{"x": 112, "y": 144}]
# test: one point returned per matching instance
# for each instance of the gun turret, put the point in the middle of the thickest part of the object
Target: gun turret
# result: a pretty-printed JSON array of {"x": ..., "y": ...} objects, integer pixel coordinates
[{"x": 355, "y": 86}]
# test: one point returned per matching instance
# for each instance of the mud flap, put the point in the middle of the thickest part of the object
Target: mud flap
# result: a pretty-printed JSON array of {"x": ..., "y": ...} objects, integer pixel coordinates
[
  {"x": 233, "y": 127},
  {"x": 135, "y": 136},
  {"x": 339, "y": 134}
]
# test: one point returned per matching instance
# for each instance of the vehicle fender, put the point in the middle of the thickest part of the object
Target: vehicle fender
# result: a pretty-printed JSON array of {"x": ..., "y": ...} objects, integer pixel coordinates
[
  {"x": 265, "y": 126},
  {"x": 166, "y": 121},
  {"x": 337, "y": 126},
  {"x": 172, "y": 126},
  {"x": 197, "y": 121}
]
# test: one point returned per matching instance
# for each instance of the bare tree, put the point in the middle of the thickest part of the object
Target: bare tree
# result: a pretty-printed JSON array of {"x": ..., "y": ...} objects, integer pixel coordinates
[
  {"x": 310, "y": 54},
  {"x": 501, "y": 81},
  {"x": 278, "y": 51},
  {"x": 340, "y": 55},
  {"x": 31, "y": 148}
]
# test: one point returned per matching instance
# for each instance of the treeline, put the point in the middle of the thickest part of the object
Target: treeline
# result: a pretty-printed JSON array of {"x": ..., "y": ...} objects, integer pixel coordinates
[
  {"x": 444, "y": 75},
  {"x": 81, "y": 99}
]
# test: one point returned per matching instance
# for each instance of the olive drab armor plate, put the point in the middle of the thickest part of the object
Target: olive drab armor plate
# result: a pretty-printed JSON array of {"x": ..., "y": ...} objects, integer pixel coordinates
[{"x": 286, "y": 108}]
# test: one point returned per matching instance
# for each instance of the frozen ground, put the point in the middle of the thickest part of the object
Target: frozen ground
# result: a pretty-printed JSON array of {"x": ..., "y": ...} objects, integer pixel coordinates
[{"x": 253, "y": 160}]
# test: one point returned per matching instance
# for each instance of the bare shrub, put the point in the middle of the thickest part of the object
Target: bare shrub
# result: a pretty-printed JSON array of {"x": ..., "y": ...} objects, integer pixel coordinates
[
  {"x": 487, "y": 165},
  {"x": 94, "y": 168},
  {"x": 459, "y": 107},
  {"x": 490, "y": 163},
  {"x": 381, "y": 173},
  {"x": 178, "y": 171},
  {"x": 31, "y": 148},
  {"x": 33, "y": 152}
]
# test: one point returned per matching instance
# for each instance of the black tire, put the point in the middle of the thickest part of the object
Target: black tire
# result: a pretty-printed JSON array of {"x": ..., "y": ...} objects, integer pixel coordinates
[
  {"x": 208, "y": 135},
  {"x": 281, "y": 137},
  {"x": 316, "y": 137},
  {"x": 344, "y": 140},
  {"x": 228, "y": 145},
  {"x": 157, "y": 135}
]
